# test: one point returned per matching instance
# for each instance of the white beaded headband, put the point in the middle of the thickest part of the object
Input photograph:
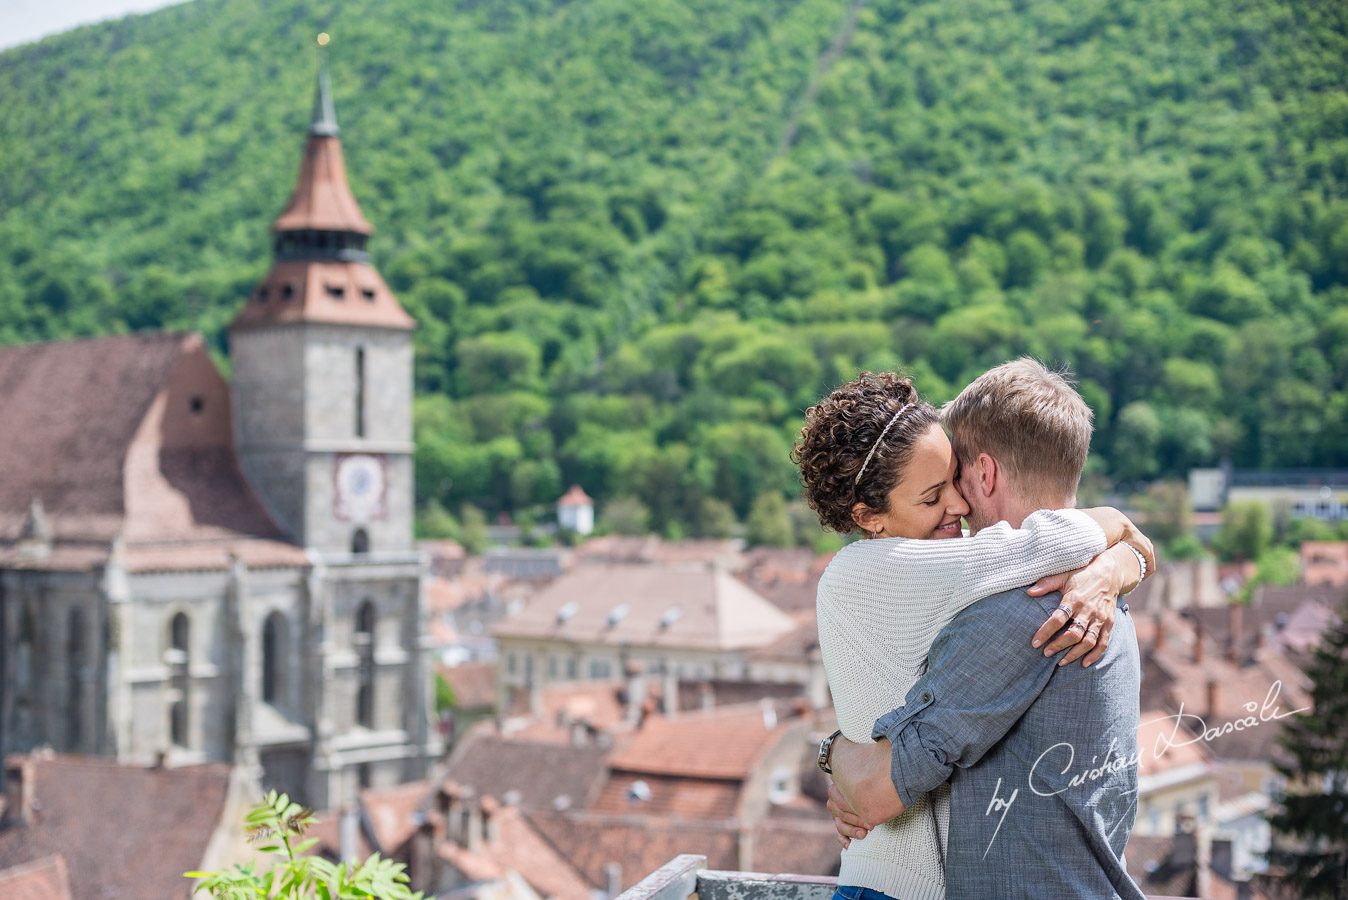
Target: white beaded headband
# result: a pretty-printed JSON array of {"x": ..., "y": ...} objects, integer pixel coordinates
[{"x": 902, "y": 409}]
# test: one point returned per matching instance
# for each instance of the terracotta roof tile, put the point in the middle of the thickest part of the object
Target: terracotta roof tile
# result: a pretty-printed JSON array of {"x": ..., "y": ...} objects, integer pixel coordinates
[
  {"x": 722, "y": 744},
  {"x": 665, "y": 795},
  {"x": 536, "y": 773},
  {"x": 393, "y": 813},
  {"x": 1325, "y": 562},
  {"x": 44, "y": 879},
  {"x": 173, "y": 811},
  {"x": 523, "y": 849},
  {"x": 126, "y": 437},
  {"x": 322, "y": 199},
  {"x": 696, "y": 606},
  {"x": 639, "y": 844},
  {"x": 474, "y": 684},
  {"x": 71, "y": 409},
  {"x": 332, "y": 291},
  {"x": 796, "y": 846}
]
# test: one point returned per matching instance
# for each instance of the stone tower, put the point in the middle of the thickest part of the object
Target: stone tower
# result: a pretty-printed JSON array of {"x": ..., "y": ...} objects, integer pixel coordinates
[{"x": 322, "y": 355}]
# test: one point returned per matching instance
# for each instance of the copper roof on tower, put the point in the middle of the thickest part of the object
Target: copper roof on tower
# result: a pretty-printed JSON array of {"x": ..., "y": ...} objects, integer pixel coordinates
[
  {"x": 322, "y": 201},
  {"x": 322, "y": 271}
]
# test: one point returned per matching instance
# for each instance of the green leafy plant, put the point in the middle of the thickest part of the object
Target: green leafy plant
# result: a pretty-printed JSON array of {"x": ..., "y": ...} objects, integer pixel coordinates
[{"x": 279, "y": 824}]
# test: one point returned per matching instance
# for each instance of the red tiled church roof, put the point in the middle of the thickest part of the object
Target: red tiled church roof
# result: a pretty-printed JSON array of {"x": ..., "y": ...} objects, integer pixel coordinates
[{"x": 126, "y": 438}]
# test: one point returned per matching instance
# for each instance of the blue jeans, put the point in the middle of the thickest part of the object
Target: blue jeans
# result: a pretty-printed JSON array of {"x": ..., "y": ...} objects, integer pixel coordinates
[{"x": 852, "y": 892}]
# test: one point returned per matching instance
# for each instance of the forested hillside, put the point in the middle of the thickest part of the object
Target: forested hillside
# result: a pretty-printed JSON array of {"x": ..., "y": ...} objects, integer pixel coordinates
[{"x": 640, "y": 236}]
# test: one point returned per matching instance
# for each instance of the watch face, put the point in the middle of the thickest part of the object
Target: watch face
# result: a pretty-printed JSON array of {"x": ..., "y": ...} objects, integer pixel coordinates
[{"x": 359, "y": 487}]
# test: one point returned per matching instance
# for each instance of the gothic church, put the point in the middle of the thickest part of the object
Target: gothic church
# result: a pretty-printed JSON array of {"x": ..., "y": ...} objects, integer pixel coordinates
[{"x": 192, "y": 570}]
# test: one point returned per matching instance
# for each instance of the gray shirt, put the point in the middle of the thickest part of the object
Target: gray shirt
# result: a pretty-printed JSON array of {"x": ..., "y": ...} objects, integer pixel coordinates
[{"x": 1042, "y": 760}]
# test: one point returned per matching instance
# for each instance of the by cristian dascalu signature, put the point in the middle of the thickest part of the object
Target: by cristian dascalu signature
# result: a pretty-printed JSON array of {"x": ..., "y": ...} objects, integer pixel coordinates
[{"x": 1195, "y": 729}]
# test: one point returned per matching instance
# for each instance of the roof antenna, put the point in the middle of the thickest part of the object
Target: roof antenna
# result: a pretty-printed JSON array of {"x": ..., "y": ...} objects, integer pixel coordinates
[{"x": 325, "y": 112}]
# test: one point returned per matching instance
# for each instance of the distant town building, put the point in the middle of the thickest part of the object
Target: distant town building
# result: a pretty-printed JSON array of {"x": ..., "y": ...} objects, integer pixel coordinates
[
  {"x": 195, "y": 571},
  {"x": 676, "y": 620},
  {"x": 575, "y": 511},
  {"x": 1299, "y": 493}
]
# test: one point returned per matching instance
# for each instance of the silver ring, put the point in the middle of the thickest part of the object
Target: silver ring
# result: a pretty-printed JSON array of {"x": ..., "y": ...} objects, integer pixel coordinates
[
  {"x": 1063, "y": 607},
  {"x": 1073, "y": 623},
  {"x": 1094, "y": 631}
]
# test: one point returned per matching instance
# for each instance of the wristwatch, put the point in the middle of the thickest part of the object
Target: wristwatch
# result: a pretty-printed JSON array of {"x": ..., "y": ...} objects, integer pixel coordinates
[{"x": 825, "y": 751}]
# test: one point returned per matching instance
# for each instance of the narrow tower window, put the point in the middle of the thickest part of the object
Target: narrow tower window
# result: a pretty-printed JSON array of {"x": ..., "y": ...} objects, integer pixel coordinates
[
  {"x": 364, "y": 642},
  {"x": 360, "y": 392},
  {"x": 179, "y": 658},
  {"x": 75, "y": 677},
  {"x": 360, "y": 541}
]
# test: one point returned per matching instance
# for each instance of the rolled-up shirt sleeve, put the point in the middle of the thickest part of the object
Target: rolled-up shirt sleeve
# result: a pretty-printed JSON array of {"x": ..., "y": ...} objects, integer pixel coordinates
[{"x": 982, "y": 675}]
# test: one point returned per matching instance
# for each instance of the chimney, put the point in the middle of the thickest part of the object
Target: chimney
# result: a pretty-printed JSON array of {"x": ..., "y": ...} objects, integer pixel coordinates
[
  {"x": 1212, "y": 697},
  {"x": 613, "y": 875},
  {"x": 580, "y": 733},
  {"x": 1160, "y": 632},
  {"x": 535, "y": 689},
  {"x": 449, "y": 806},
  {"x": 20, "y": 785},
  {"x": 1198, "y": 640},
  {"x": 348, "y": 833},
  {"x": 1222, "y": 853},
  {"x": 670, "y": 701},
  {"x": 491, "y": 821},
  {"x": 636, "y": 691},
  {"x": 472, "y": 824},
  {"x": 1236, "y": 623},
  {"x": 708, "y": 696}
]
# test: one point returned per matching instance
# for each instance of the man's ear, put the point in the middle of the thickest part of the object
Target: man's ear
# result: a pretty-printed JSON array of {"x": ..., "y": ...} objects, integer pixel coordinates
[
  {"x": 865, "y": 517},
  {"x": 989, "y": 475}
]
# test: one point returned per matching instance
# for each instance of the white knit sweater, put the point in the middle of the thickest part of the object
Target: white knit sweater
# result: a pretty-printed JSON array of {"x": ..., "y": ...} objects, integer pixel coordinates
[{"x": 881, "y": 604}]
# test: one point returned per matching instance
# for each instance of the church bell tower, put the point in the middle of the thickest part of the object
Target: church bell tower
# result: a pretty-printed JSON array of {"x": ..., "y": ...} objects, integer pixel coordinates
[{"x": 322, "y": 359}]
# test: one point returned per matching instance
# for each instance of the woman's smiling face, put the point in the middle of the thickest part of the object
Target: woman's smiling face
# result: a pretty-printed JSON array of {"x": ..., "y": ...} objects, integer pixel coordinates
[{"x": 926, "y": 503}]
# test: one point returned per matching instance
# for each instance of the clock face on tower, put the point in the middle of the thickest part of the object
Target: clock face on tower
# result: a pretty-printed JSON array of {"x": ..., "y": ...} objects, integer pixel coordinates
[{"x": 359, "y": 482}]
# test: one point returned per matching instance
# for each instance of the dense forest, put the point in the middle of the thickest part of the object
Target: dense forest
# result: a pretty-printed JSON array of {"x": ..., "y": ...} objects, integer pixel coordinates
[{"x": 641, "y": 237}]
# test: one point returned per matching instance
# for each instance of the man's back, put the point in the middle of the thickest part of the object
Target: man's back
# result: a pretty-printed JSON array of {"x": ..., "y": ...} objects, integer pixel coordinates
[{"x": 1049, "y": 807}]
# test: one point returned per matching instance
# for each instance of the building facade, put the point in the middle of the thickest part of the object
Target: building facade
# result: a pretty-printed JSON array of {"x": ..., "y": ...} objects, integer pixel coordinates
[{"x": 194, "y": 571}]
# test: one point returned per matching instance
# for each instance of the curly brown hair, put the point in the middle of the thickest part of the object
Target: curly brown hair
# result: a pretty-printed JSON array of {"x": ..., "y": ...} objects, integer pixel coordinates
[{"x": 841, "y": 430}]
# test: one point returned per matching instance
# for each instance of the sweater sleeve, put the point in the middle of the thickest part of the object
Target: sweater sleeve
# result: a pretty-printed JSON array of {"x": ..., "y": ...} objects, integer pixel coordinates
[{"x": 1000, "y": 557}]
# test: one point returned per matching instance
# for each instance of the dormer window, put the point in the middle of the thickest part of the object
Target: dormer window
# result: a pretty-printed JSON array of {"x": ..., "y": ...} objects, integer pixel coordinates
[
  {"x": 367, "y": 293},
  {"x": 196, "y": 404},
  {"x": 262, "y": 294},
  {"x": 337, "y": 292},
  {"x": 287, "y": 292}
]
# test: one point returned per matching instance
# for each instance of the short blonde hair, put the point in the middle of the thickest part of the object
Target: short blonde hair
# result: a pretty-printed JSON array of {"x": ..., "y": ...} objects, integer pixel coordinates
[{"x": 1031, "y": 420}]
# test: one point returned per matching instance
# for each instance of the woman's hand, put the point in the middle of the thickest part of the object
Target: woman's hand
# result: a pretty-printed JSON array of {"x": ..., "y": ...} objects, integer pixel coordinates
[
  {"x": 1089, "y": 602},
  {"x": 1118, "y": 527}
]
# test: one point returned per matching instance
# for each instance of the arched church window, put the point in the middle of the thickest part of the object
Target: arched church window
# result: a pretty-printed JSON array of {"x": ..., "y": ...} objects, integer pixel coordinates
[
  {"x": 364, "y": 641},
  {"x": 273, "y": 645},
  {"x": 360, "y": 541},
  {"x": 179, "y": 659}
]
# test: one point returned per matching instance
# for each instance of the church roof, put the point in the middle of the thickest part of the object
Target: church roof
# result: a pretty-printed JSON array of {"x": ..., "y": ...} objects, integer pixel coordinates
[
  {"x": 331, "y": 291},
  {"x": 127, "y": 439},
  {"x": 322, "y": 199}
]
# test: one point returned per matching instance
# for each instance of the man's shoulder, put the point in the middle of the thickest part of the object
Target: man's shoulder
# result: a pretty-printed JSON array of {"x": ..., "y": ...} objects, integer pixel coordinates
[{"x": 1010, "y": 606}]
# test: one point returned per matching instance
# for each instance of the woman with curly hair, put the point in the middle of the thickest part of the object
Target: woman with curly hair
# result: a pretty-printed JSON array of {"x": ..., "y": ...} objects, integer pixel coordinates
[{"x": 874, "y": 458}]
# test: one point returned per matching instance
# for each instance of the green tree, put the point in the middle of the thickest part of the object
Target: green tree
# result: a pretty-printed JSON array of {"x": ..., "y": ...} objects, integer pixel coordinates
[
  {"x": 625, "y": 515},
  {"x": 1246, "y": 532},
  {"x": 473, "y": 530},
  {"x": 769, "y": 523},
  {"x": 1310, "y": 822}
]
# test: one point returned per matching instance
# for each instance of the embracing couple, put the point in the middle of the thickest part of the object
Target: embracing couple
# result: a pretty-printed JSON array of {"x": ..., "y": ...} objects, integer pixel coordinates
[{"x": 988, "y": 730}]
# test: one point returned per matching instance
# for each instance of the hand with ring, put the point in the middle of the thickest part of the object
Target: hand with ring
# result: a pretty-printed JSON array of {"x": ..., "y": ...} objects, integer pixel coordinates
[{"x": 1085, "y": 615}]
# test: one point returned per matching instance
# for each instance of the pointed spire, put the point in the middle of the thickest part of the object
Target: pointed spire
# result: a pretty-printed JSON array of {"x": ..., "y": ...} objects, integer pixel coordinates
[{"x": 324, "y": 123}]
